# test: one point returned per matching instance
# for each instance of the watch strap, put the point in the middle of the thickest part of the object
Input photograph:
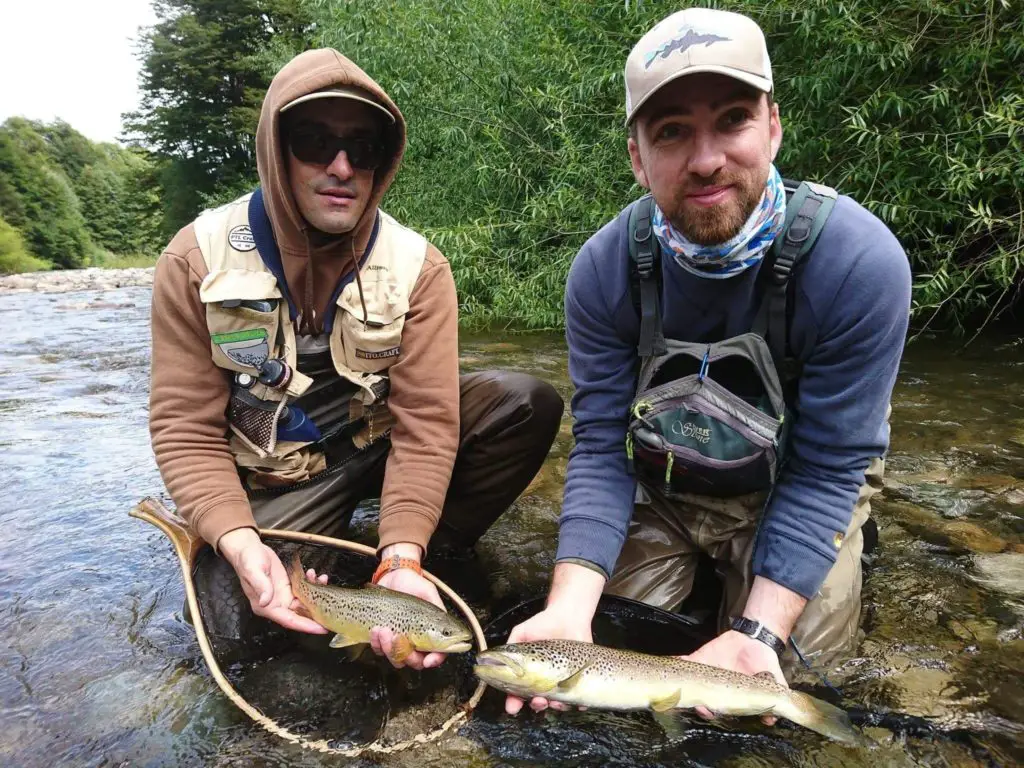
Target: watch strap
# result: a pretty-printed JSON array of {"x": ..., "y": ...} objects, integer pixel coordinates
[
  {"x": 759, "y": 631},
  {"x": 393, "y": 563}
]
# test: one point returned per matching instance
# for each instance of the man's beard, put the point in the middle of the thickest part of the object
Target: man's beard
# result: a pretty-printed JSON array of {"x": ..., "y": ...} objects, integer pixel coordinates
[{"x": 719, "y": 223}]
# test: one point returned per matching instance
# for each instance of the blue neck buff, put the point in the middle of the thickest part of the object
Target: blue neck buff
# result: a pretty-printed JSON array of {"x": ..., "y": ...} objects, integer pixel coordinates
[{"x": 738, "y": 254}]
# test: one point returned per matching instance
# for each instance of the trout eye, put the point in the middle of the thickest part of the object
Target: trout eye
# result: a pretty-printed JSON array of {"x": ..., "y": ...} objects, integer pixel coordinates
[{"x": 447, "y": 633}]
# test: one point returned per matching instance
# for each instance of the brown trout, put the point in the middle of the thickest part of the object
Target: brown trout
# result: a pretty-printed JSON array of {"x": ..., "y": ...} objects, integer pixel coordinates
[
  {"x": 351, "y": 613},
  {"x": 591, "y": 675}
]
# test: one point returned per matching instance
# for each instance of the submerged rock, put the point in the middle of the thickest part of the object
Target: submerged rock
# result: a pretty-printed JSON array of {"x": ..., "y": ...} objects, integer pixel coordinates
[{"x": 1003, "y": 572}]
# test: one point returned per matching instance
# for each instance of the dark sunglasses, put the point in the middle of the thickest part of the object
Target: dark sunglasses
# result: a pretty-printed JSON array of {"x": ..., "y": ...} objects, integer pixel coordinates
[{"x": 315, "y": 145}]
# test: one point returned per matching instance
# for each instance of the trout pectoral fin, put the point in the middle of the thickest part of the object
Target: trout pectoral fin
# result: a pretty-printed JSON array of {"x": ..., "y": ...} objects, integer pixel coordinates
[
  {"x": 401, "y": 648},
  {"x": 666, "y": 703},
  {"x": 570, "y": 682},
  {"x": 341, "y": 641}
]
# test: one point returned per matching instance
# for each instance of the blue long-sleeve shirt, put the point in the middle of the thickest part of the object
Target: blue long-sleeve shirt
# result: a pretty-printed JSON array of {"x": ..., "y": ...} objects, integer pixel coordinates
[{"x": 850, "y": 315}]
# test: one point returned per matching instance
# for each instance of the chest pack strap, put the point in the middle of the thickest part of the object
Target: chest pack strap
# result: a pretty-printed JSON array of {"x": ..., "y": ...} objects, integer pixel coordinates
[
  {"x": 807, "y": 210},
  {"x": 646, "y": 256}
]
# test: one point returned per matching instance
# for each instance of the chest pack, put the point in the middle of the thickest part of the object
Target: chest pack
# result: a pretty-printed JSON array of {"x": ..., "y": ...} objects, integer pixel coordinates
[{"x": 711, "y": 418}]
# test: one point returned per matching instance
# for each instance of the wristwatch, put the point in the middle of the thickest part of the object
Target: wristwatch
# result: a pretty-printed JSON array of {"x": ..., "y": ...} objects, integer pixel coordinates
[
  {"x": 759, "y": 631},
  {"x": 393, "y": 563}
]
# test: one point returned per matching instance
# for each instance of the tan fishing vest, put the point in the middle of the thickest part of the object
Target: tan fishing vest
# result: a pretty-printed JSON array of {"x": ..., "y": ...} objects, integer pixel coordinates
[{"x": 237, "y": 292}]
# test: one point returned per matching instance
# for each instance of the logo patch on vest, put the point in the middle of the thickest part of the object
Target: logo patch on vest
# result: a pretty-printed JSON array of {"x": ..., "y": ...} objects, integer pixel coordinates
[
  {"x": 241, "y": 238},
  {"x": 244, "y": 347},
  {"x": 381, "y": 355}
]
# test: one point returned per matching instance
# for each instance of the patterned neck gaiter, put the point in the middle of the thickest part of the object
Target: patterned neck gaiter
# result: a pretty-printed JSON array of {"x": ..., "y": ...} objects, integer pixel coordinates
[{"x": 740, "y": 253}]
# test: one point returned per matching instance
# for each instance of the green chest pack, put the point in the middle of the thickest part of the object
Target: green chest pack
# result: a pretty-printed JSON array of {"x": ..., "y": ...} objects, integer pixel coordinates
[{"x": 712, "y": 418}]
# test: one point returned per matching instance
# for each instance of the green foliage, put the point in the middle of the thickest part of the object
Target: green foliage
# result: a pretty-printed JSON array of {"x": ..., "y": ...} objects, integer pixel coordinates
[
  {"x": 14, "y": 257},
  {"x": 73, "y": 200},
  {"x": 517, "y": 151},
  {"x": 38, "y": 200},
  {"x": 203, "y": 79}
]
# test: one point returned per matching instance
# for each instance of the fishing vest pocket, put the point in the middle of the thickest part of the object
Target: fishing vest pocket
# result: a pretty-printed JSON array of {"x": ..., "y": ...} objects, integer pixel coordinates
[
  {"x": 254, "y": 420},
  {"x": 709, "y": 419},
  {"x": 243, "y": 315},
  {"x": 372, "y": 342}
]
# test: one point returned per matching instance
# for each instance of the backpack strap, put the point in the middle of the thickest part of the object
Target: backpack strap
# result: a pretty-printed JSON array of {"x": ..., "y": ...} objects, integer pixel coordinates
[
  {"x": 645, "y": 255},
  {"x": 806, "y": 213}
]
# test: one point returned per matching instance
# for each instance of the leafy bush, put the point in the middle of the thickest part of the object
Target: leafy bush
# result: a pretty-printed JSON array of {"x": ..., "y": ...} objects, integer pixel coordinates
[{"x": 517, "y": 150}]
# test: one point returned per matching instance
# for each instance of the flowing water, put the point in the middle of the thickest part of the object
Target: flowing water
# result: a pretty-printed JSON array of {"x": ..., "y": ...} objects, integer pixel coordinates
[{"x": 97, "y": 666}]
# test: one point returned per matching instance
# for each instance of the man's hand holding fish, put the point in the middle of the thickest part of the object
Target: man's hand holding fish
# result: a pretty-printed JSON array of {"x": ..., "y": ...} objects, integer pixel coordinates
[
  {"x": 264, "y": 580},
  {"x": 572, "y": 601},
  {"x": 408, "y": 581}
]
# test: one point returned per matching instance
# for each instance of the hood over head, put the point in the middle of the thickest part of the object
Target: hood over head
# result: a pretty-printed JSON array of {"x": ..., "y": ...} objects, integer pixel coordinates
[{"x": 307, "y": 73}]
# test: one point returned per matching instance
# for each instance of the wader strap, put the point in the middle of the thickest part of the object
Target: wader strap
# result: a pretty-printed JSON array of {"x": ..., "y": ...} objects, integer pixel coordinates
[
  {"x": 806, "y": 214},
  {"x": 645, "y": 253}
]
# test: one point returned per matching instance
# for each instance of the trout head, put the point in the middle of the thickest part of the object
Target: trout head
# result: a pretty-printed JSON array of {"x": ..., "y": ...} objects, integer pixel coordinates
[
  {"x": 446, "y": 634},
  {"x": 515, "y": 669}
]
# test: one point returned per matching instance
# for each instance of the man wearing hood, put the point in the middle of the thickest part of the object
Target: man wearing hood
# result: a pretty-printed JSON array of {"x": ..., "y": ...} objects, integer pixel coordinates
[{"x": 305, "y": 357}]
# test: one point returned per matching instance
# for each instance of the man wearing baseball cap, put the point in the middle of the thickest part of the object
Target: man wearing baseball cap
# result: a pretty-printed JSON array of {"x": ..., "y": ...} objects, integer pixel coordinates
[
  {"x": 305, "y": 357},
  {"x": 733, "y": 344}
]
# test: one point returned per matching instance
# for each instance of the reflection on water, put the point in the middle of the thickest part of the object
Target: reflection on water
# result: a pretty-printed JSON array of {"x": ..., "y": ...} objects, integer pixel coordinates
[{"x": 97, "y": 666}]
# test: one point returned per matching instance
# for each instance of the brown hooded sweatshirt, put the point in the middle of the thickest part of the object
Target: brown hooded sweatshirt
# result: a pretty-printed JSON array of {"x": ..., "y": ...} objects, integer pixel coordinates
[{"x": 189, "y": 394}]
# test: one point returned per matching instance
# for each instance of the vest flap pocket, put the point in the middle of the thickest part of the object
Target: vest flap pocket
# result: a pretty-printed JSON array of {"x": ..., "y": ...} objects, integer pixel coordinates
[
  {"x": 385, "y": 300},
  {"x": 243, "y": 311},
  {"x": 228, "y": 284},
  {"x": 373, "y": 345}
]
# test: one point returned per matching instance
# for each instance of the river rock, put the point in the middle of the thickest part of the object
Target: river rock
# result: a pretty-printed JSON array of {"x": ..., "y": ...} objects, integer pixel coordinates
[
  {"x": 1003, "y": 572},
  {"x": 995, "y": 484},
  {"x": 1016, "y": 496},
  {"x": 973, "y": 537}
]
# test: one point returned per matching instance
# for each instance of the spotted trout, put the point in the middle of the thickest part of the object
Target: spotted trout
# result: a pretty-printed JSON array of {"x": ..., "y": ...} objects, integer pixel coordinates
[
  {"x": 351, "y": 613},
  {"x": 591, "y": 675}
]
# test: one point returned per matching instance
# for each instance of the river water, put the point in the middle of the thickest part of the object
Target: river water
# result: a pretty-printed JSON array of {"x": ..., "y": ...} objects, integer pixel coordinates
[{"x": 97, "y": 666}]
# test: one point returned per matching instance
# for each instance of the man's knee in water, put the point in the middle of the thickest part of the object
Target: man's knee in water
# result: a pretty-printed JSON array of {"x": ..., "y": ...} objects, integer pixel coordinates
[{"x": 538, "y": 399}]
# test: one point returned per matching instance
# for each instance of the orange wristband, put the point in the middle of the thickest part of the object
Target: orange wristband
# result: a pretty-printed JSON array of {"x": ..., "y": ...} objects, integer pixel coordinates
[{"x": 393, "y": 563}]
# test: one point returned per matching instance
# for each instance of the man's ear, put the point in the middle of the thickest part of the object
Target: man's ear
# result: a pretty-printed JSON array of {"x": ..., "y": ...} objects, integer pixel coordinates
[
  {"x": 638, "y": 166},
  {"x": 774, "y": 130}
]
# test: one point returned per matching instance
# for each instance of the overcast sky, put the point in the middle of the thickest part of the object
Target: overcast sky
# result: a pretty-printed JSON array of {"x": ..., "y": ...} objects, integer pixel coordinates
[{"x": 72, "y": 59}]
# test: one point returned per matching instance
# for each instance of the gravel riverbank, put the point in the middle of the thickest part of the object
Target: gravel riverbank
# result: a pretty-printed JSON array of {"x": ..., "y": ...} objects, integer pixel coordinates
[{"x": 67, "y": 280}]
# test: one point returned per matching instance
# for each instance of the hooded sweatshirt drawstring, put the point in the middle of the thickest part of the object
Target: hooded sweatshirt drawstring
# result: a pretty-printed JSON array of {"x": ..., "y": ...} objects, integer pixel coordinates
[
  {"x": 359, "y": 283},
  {"x": 309, "y": 324}
]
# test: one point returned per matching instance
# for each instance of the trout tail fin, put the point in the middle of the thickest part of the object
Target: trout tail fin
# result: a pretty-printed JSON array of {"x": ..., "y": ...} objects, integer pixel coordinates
[{"x": 820, "y": 717}]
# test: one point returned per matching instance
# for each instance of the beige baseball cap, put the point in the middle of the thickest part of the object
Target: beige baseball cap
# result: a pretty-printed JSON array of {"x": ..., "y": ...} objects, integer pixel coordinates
[
  {"x": 341, "y": 92},
  {"x": 691, "y": 41}
]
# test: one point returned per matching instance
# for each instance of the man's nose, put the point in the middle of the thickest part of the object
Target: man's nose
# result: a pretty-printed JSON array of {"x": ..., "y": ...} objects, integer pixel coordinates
[
  {"x": 340, "y": 166},
  {"x": 708, "y": 155}
]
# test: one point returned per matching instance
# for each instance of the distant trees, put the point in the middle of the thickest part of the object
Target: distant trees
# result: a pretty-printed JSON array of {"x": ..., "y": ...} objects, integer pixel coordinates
[{"x": 70, "y": 202}]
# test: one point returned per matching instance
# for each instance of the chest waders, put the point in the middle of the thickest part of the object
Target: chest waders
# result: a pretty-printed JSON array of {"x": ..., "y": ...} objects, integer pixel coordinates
[{"x": 712, "y": 418}]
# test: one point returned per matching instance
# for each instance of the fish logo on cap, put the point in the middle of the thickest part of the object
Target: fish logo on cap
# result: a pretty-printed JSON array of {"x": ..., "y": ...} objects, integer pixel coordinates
[{"x": 689, "y": 38}]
